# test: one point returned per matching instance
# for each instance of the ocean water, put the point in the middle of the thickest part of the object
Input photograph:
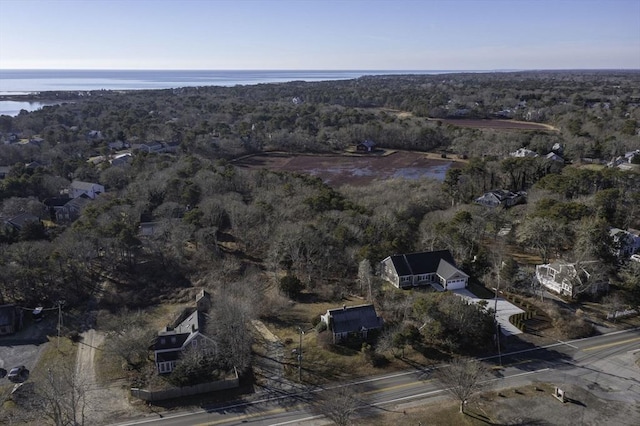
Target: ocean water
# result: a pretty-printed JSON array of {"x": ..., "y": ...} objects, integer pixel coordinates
[
  {"x": 13, "y": 108},
  {"x": 23, "y": 82},
  {"x": 28, "y": 81}
]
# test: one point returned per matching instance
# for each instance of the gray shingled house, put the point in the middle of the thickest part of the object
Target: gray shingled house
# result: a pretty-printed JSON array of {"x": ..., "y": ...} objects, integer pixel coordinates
[
  {"x": 352, "y": 320},
  {"x": 435, "y": 268}
]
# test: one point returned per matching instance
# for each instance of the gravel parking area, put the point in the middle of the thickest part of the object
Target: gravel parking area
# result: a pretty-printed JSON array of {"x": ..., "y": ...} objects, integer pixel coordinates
[{"x": 25, "y": 346}]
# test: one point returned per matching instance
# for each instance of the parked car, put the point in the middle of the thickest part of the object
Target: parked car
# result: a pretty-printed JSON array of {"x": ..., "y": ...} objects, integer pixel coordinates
[
  {"x": 3, "y": 373},
  {"x": 18, "y": 374},
  {"x": 38, "y": 314}
]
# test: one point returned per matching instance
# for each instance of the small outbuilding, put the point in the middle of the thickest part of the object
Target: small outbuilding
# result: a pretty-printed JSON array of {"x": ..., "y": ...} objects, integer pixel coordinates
[{"x": 366, "y": 146}]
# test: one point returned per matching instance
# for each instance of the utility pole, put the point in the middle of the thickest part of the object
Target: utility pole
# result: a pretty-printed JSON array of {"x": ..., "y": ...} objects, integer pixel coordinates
[
  {"x": 60, "y": 303},
  {"x": 300, "y": 356},
  {"x": 495, "y": 319}
]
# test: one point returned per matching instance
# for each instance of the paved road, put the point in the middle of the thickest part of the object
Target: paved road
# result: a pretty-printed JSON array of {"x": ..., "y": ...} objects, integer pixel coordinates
[{"x": 603, "y": 363}]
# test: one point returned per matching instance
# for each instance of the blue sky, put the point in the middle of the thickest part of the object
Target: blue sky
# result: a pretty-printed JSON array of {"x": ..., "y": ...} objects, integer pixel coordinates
[{"x": 328, "y": 34}]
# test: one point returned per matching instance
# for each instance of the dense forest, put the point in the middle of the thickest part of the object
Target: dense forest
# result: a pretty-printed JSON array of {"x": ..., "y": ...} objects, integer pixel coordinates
[{"x": 239, "y": 231}]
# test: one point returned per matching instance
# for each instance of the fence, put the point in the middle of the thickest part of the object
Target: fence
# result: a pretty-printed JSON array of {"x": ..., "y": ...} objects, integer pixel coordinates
[
  {"x": 160, "y": 395},
  {"x": 622, "y": 314}
]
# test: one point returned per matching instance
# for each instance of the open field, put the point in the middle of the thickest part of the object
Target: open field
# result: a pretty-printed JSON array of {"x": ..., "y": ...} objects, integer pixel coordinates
[
  {"x": 337, "y": 169},
  {"x": 525, "y": 405}
]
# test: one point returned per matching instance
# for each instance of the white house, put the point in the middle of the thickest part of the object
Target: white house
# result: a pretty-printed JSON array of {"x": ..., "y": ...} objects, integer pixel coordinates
[
  {"x": 92, "y": 190},
  {"x": 434, "y": 268},
  {"x": 569, "y": 279},
  {"x": 523, "y": 152},
  {"x": 626, "y": 243}
]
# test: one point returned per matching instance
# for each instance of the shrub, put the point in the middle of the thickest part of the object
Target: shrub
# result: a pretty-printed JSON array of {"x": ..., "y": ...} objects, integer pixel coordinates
[{"x": 291, "y": 286}]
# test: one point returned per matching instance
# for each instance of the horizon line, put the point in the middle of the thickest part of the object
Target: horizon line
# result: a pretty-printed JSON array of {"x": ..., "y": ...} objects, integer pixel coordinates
[{"x": 324, "y": 69}]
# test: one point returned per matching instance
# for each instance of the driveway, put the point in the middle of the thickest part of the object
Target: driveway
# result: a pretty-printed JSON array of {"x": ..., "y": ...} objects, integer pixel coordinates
[
  {"x": 269, "y": 368},
  {"x": 103, "y": 402},
  {"x": 504, "y": 310}
]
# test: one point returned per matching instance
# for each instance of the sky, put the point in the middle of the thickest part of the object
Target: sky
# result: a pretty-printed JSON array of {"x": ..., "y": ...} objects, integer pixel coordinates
[{"x": 320, "y": 34}]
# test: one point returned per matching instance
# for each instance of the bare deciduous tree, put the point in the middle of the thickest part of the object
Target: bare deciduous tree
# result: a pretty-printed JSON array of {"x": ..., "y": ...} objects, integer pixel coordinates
[
  {"x": 128, "y": 337},
  {"x": 365, "y": 277},
  {"x": 339, "y": 405},
  {"x": 463, "y": 378},
  {"x": 62, "y": 395},
  {"x": 544, "y": 236},
  {"x": 231, "y": 317}
]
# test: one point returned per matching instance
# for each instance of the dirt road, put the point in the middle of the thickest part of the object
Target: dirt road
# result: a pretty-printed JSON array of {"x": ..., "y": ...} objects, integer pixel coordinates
[{"x": 104, "y": 403}]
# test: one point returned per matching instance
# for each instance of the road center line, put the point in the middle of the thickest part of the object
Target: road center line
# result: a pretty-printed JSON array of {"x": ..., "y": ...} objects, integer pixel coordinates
[
  {"x": 608, "y": 345},
  {"x": 405, "y": 385}
]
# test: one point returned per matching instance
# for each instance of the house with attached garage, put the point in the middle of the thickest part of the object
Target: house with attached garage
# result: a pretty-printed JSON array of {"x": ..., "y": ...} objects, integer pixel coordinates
[
  {"x": 357, "y": 321},
  {"x": 187, "y": 332},
  {"x": 434, "y": 268}
]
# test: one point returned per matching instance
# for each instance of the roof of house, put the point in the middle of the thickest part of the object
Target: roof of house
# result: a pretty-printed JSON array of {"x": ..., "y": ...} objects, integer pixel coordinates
[
  {"x": 56, "y": 202},
  {"x": 79, "y": 202},
  {"x": 523, "y": 152},
  {"x": 562, "y": 271},
  {"x": 568, "y": 271},
  {"x": 503, "y": 194},
  {"x": 22, "y": 219},
  {"x": 85, "y": 186},
  {"x": 354, "y": 318},
  {"x": 447, "y": 270},
  {"x": 170, "y": 340},
  {"x": 420, "y": 263},
  {"x": 175, "y": 338},
  {"x": 554, "y": 156}
]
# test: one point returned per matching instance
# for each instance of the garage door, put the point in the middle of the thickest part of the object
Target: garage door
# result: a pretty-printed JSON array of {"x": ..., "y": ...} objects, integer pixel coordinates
[{"x": 455, "y": 284}]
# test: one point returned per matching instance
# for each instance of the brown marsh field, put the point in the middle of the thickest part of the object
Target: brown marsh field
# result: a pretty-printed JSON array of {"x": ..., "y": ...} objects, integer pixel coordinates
[{"x": 344, "y": 169}]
